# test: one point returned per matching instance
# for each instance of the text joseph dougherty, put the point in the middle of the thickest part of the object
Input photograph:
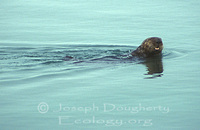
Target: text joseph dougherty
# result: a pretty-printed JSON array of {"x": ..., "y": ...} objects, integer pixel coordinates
[{"x": 106, "y": 107}]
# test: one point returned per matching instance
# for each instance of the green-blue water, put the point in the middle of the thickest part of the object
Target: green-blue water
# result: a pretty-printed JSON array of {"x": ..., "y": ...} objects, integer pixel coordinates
[{"x": 101, "y": 87}]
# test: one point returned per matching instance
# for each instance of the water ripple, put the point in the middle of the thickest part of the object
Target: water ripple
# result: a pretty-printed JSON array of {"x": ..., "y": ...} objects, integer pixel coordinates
[{"x": 66, "y": 57}]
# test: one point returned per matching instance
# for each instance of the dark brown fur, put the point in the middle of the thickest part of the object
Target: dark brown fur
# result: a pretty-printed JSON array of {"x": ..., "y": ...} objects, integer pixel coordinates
[{"x": 150, "y": 47}]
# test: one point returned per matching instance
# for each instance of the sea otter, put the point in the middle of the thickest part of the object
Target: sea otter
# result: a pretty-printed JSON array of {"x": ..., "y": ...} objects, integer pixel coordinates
[{"x": 150, "y": 47}]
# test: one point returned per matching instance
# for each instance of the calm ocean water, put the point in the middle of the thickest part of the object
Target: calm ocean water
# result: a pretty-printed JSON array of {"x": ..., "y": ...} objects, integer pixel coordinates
[{"x": 65, "y": 64}]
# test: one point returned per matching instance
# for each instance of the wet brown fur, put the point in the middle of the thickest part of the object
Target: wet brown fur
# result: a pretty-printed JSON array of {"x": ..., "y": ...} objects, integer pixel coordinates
[{"x": 150, "y": 47}]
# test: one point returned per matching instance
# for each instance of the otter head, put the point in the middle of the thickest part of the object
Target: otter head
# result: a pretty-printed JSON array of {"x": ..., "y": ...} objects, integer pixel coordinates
[
  {"x": 152, "y": 46},
  {"x": 149, "y": 47}
]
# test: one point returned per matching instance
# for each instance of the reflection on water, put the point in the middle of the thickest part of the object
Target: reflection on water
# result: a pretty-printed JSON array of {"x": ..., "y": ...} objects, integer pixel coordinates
[{"x": 154, "y": 66}]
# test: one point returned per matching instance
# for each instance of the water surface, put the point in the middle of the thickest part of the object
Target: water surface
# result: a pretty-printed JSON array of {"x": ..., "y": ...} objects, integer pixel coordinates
[{"x": 75, "y": 56}]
